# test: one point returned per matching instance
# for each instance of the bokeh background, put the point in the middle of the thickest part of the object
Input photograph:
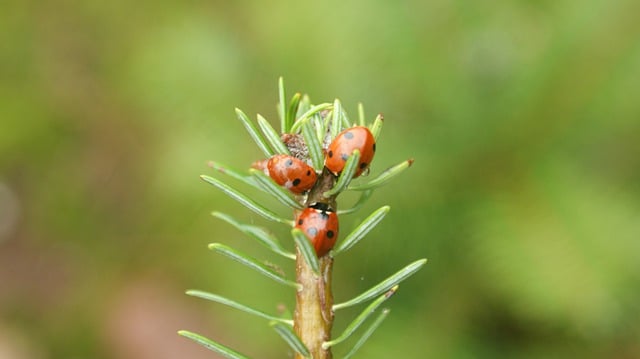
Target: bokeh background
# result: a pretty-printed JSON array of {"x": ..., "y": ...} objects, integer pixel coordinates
[{"x": 523, "y": 118}]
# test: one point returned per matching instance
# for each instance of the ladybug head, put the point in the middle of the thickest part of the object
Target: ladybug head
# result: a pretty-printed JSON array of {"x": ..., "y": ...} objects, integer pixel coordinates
[{"x": 321, "y": 206}]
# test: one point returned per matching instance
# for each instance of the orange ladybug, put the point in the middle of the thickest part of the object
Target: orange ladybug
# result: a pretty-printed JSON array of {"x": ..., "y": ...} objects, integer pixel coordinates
[
  {"x": 343, "y": 145},
  {"x": 320, "y": 224},
  {"x": 291, "y": 173}
]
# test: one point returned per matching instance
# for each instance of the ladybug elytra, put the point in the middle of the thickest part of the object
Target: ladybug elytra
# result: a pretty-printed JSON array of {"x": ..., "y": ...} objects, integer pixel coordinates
[
  {"x": 320, "y": 224},
  {"x": 343, "y": 145},
  {"x": 291, "y": 173}
]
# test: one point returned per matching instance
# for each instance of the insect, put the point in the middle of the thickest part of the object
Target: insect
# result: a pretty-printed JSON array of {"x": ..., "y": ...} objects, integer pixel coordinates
[
  {"x": 320, "y": 224},
  {"x": 291, "y": 173},
  {"x": 355, "y": 138}
]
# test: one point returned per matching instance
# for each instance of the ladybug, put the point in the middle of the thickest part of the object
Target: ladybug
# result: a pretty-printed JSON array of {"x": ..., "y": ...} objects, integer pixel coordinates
[
  {"x": 320, "y": 224},
  {"x": 354, "y": 138},
  {"x": 292, "y": 173}
]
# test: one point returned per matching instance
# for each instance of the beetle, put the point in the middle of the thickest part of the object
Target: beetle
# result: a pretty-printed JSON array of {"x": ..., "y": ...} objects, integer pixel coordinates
[
  {"x": 320, "y": 224},
  {"x": 343, "y": 145}
]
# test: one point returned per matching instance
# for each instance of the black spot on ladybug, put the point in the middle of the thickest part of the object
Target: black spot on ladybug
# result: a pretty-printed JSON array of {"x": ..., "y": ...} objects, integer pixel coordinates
[
  {"x": 308, "y": 172},
  {"x": 296, "y": 181},
  {"x": 289, "y": 162},
  {"x": 330, "y": 154},
  {"x": 374, "y": 147},
  {"x": 312, "y": 231},
  {"x": 344, "y": 156},
  {"x": 300, "y": 222},
  {"x": 363, "y": 165},
  {"x": 348, "y": 135},
  {"x": 329, "y": 234}
]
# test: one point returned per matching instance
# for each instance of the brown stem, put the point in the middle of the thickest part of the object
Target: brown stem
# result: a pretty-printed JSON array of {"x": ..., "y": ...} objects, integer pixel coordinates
[{"x": 313, "y": 317}]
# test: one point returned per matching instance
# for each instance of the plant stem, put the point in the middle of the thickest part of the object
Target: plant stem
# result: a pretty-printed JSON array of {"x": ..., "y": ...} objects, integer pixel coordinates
[{"x": 313, "y": 317}]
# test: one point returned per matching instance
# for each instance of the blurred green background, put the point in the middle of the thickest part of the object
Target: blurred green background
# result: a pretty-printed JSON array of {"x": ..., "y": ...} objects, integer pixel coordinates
[{"x": 523, "y": 118}]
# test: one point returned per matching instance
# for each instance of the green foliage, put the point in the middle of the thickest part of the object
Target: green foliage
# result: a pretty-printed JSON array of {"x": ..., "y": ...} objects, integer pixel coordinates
[
  {"x": 346, "y": 175},
  {"x": 383, "y": 177},
  {"x": 245, "y": 200},
  {"x": 287, "y": 333},
  {"x": 522, "y": 116},
  {"x": 306, "y": 249},
  {"x": 251, "y": 263},
  {"x": 211, "y": 345},
  {"x": 357, "y": 322},
  {"x": 385, "y": 285},
  {"x": 336, "y": 122},
  {"x": 361, "y": 230},
  {"x": 365, "y": 336},
  {"x": 233, "y": 304}
]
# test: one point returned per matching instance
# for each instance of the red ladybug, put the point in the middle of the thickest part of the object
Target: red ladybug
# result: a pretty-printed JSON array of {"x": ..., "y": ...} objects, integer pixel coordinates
[
  {"x": 320, "y": 225},
  {"x": 292, "y": 173},
  {"x": 354, "y": 138}
]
